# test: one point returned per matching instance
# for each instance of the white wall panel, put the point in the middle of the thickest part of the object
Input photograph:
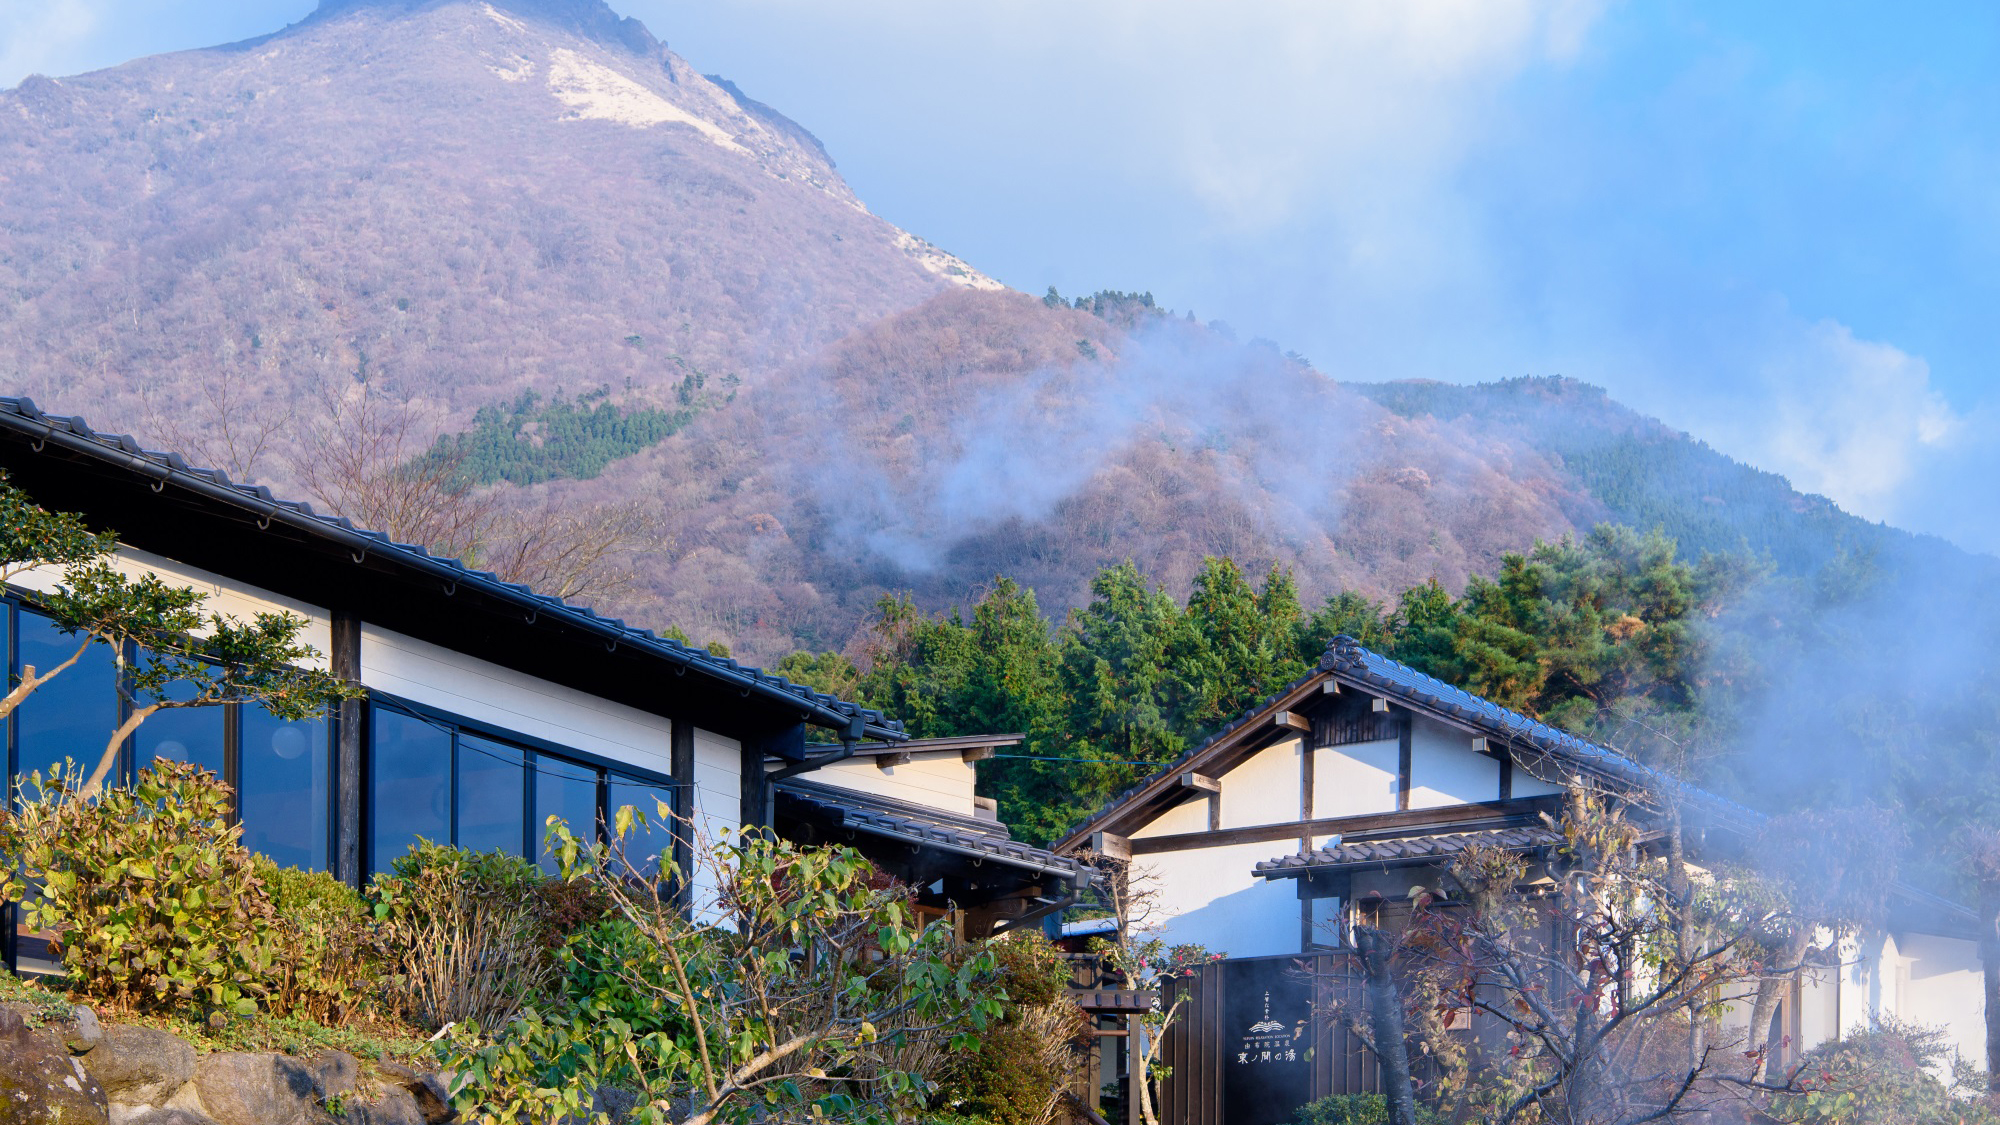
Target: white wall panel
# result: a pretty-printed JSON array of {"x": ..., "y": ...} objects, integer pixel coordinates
[
  {"x": 1445, "y": 770},
  {"x": 477, "y": 689},
  {"x": 1943, "y": 985},
  {"x": 1528, "y": 785},
  {"x": 1264, "y": 789},
  {"x": 1191, "y": 815},
  {"x": 1209, "y": 897},
  {"x": 225, "y": 595},
  {"x": 1356, "y": 779},
  {"x": 938, "y": 781}
]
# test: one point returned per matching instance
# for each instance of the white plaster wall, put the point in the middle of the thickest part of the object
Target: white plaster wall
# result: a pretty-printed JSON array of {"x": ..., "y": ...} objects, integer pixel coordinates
[
  {"x": 1445, "y": 770},
  {"x": 1208, "y": 896},
  {"x": 940, "y": 780},
  {"x": 478, "y": 689},
  {"x": 718, "y": 784},
  {"x": 1528, "y": 785},
  {"x": 1356, "y": 779},
  {"x": 1264, "y": 789},
  {"x": 225, "y": 595},
  {"x": 1942, "y": 984},
  {"x": 1191, "y": 815}
]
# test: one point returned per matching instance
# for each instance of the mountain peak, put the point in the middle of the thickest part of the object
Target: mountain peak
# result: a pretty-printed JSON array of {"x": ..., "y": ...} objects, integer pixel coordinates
[{"x": 593, "y": 18}]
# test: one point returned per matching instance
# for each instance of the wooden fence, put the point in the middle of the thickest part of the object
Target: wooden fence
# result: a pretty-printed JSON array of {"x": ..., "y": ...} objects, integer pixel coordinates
[{"x": 1257, "y": 1037}]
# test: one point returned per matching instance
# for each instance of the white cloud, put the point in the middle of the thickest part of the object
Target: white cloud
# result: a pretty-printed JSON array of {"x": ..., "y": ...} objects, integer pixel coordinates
[
  {"x": 1857, "y": 421},
  {"x": 38, "y": 36}
]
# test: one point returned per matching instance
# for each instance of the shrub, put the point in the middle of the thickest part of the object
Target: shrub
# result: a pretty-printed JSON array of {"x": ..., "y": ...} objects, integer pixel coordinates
[
  {"x": 1356, "y": 1109},
  {"x": 1886, "y": 1075},
  {"x": 333, "y": 955},
  {"x": 1016, "y": 1072},
  {"x": 465, "y": 932},
  {"x": 155, "y": 902}
]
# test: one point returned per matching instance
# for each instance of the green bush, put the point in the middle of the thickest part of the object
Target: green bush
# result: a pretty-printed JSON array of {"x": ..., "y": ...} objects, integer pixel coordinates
[
  {"x": 1886, "y": 1075},
  {"x": 466, "y": 934},
  {"x": 1356, "y": 1109},
  {"x": 333, "y": 954},
  {"x": 1019, "y": 1063},
  {"x": 155, "y": 902}
]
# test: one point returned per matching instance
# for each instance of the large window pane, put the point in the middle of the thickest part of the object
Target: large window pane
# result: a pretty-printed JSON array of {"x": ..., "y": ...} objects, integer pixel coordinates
[
  {"x": 409, "y": 786},
  {"x": 284, "y": 801},
  {"x": 566, "y": 790},
  {"x": 650, "y": 847},
  {"x": 184, "y": 734},
  {"x": 492, "y": 798},
  {"x": 73, "y": 715}
]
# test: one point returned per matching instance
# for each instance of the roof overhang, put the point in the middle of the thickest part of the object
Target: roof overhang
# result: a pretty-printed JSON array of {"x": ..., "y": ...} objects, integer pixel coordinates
[{"x": 159, "y": 503}]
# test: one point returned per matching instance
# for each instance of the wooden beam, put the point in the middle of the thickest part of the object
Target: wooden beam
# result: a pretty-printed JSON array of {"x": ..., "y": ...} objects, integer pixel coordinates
[
  {"x": 1111, "y": 845},
  {"x": 1449, "y": 818},
  {"x": 1329, "y": 687},
  {"x": 1293, "y": 720},
  {"x": 976, "y": 754},
  {"x": 888, "y": 761},
  {"x": 1203, "y": 782},
  {"x": 1479, "y": 746},
  {"x": 1380, "y": 704}
]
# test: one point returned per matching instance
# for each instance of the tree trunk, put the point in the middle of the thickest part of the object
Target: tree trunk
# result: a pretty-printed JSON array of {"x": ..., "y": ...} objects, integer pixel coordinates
[
  {"x": 1385, "y": 1023},
  {"x": 1768, "y": 988},
  {"x": 1989, "y": 959},
  {"x": 1684, "y": 931}
]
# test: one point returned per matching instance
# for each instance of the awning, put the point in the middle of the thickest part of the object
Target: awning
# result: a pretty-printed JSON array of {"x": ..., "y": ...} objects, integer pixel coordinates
[{"x": 1404, "y": 850}]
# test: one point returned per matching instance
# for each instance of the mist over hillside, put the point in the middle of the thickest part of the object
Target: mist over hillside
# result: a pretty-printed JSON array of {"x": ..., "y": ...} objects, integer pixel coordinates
[{"x": 608, "y": 279}]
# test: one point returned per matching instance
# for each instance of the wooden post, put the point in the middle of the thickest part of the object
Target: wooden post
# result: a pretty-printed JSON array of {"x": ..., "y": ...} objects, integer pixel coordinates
[
  {"x": 1402, "y": 760},
  {"x": 680, "y": 758},
  {"x": 345, "y": 662}
]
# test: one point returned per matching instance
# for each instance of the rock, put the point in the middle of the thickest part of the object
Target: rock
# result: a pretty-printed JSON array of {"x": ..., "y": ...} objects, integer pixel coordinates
[
  {"x": 395, "y": 1106},
  {"x": 140, "y": 1066},
  {"x": 337, "y": 1072},
  {"x": 84, "y": 1033},
  {"x": 245, "y": 1088},
  {"x": 159, "y": 1115},
  {"x": 431, "y": 1091},
  {"x": 40, "y": 1083}
]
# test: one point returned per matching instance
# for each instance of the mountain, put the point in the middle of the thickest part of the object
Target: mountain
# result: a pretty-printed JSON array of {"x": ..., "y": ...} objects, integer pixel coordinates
[
  {"x": 596, "y": 278},
  {"x": 462, "y": 200}
]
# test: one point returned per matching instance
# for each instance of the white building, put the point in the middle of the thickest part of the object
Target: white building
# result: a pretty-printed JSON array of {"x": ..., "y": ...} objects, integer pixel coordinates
[
  {"x": 488, "y": 707},
  {"x": 1342, "y": 790}
]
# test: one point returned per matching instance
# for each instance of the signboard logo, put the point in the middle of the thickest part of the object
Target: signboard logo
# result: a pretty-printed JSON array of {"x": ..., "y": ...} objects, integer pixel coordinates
[{"x": 1268, "y": 1041}]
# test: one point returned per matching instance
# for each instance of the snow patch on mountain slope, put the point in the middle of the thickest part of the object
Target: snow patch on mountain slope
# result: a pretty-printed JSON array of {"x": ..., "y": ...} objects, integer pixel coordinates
[
  {"x": 948, "y": 266},
  {"x": 597, "y": 91}
]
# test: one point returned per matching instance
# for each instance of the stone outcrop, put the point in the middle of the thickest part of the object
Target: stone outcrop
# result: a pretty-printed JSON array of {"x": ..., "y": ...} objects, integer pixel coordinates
[
  {"x": 80, "y": 1072},
  {"x": 41, "y": 1083}
]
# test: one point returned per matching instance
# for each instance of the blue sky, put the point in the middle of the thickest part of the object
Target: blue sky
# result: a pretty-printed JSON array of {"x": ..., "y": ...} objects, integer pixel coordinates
[{"x": 1773, "y": 225}]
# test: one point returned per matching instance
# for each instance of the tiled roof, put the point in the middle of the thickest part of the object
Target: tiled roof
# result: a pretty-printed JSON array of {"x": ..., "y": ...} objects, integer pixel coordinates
[
  {"x": 902, "y": 820},
  {"x": 1405, "y": 849},
  {"x": 121, "y": 450},
  {"x": 1400, "y": 682}
]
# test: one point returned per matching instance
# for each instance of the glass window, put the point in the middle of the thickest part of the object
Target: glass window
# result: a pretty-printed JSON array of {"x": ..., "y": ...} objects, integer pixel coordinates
[
  {"x": 646, "y": 849},
  {"x": 492, "y": 796},
  {"x": 409, "y": 785},
  {"x": 183, "y": 734},
  {"x": 284, "y": 799},
  {"x": 569, "y": 791},
  {"x": 73, "y": 715}
]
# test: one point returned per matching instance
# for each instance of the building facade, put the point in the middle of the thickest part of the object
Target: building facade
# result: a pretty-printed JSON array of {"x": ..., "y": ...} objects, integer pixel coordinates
[
  {"x": 1329, "y": 801},
  {"x": 487, "y": 708}
]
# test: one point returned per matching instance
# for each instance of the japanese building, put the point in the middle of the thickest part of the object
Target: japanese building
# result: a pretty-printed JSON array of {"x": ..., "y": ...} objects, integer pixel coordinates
[
  {"x": 488, "y": 707},
  {"x": 1326, "y": 803}
]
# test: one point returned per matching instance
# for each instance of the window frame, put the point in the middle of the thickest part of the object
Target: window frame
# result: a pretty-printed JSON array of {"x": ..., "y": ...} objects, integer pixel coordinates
[{"x": 533, "y": 750}]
